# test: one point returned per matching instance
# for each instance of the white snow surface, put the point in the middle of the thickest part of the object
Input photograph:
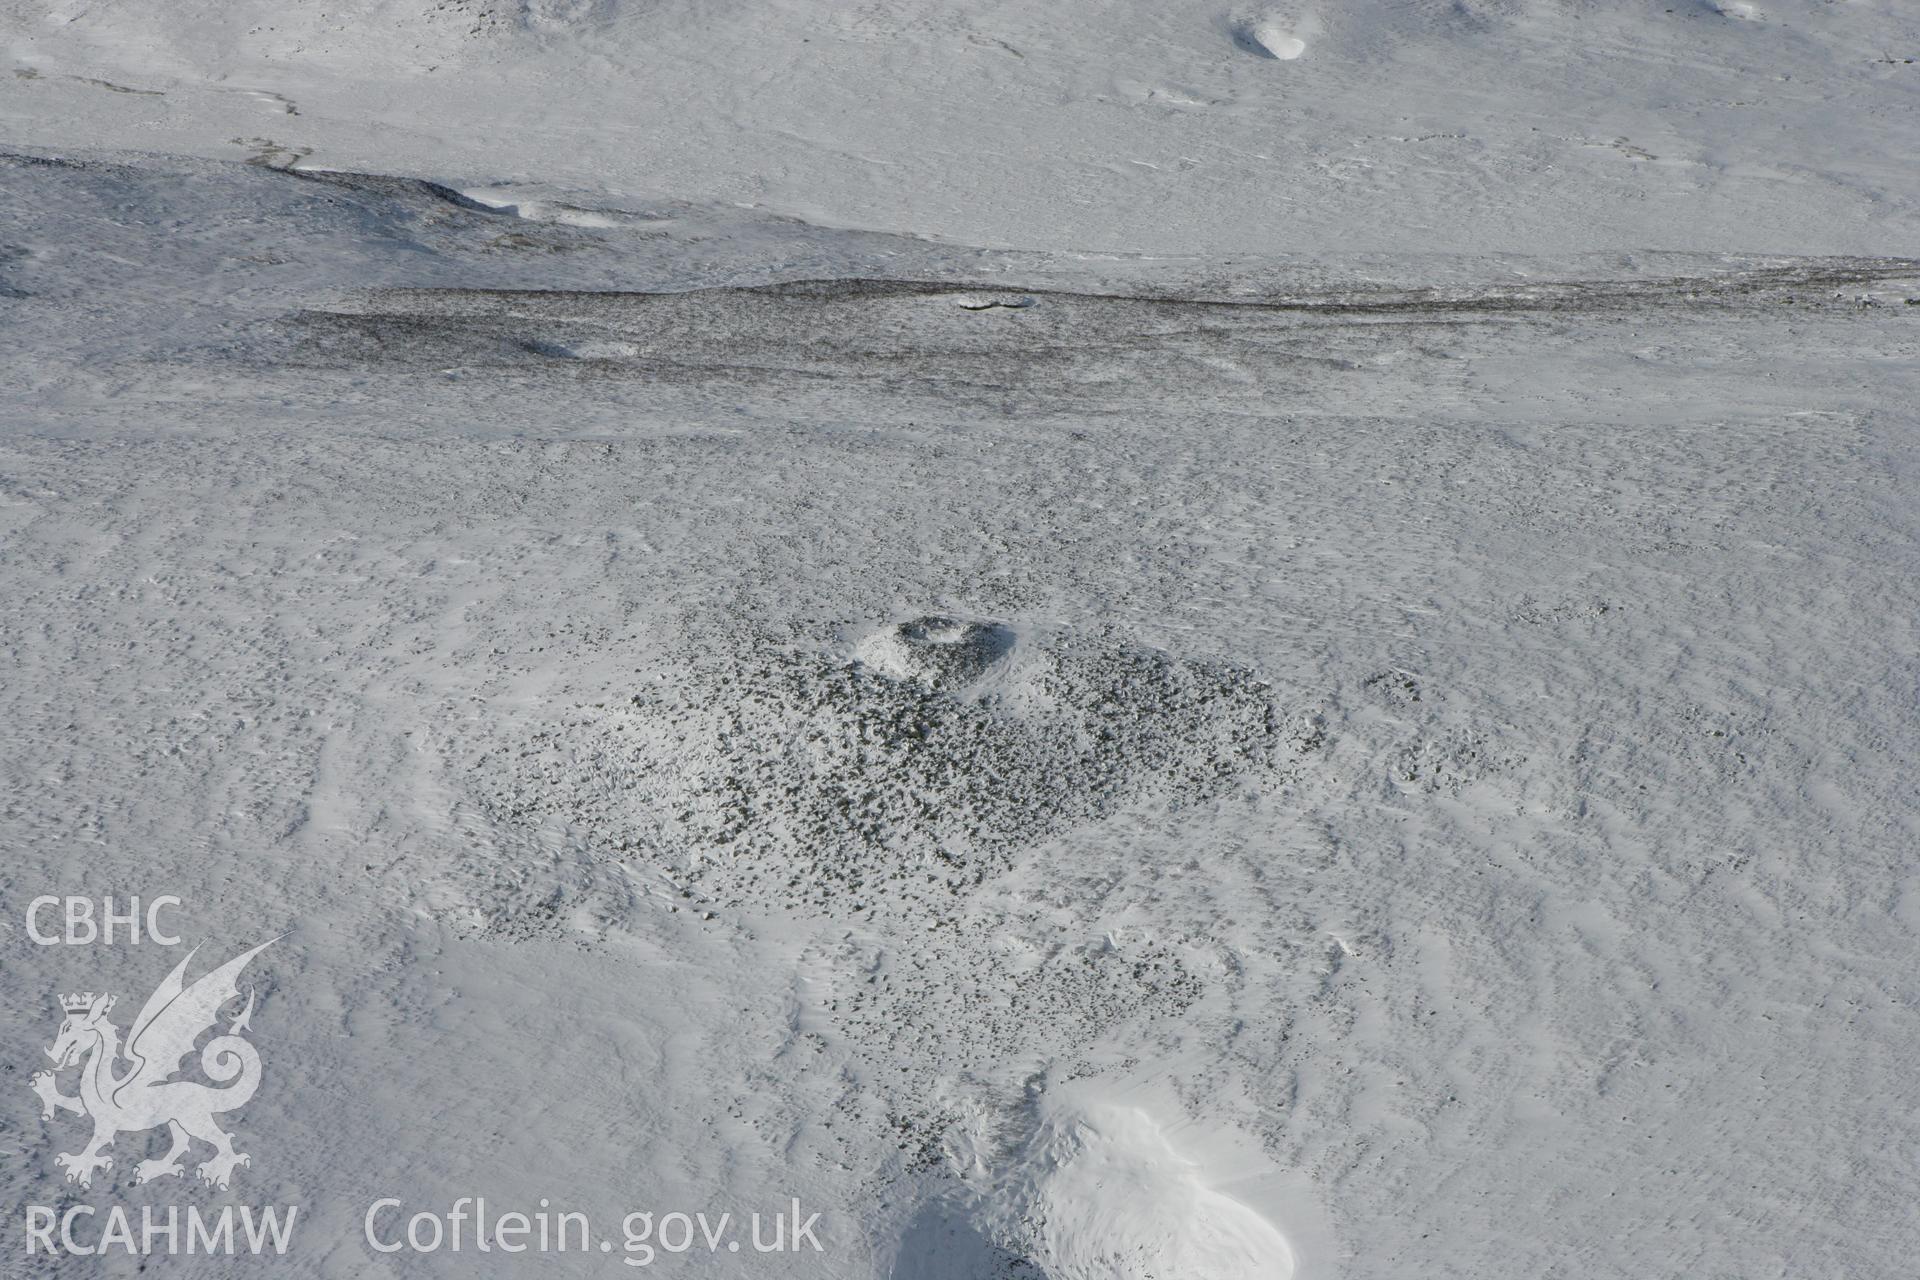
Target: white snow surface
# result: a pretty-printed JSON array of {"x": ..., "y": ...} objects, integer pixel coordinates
[
  {"x": 1175, "y": 127},
  {"x": 1109, "y": 641}
]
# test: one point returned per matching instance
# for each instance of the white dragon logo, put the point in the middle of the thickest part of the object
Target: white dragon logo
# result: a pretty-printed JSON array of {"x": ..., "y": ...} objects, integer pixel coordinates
[{"x": 143, "y": 1096}]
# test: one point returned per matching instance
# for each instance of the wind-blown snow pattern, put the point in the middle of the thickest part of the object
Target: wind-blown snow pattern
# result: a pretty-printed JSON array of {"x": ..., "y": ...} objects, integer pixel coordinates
[{"x": 1107, "y": 641}]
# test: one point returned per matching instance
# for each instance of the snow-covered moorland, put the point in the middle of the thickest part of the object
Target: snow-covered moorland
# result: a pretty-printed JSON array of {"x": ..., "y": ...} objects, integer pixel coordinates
[{"x": 1100, "y": 641}]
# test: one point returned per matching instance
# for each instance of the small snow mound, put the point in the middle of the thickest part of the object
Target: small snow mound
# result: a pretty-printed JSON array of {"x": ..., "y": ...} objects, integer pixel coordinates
[
  {"x": 1100, "y": 1194},
  {"x": 589, "y": 349},
  {"x": 1271, "y": 37},
  {"x": 995, "y": 301},
  {"x": 1738, "y": 9},
  {"x": 941, "y": 653},
  {"x": 515, "y": 204}
]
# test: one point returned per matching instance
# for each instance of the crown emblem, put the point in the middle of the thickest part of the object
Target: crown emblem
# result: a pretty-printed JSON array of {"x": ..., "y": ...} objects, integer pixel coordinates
[{"x": 77, "y": 1003}]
